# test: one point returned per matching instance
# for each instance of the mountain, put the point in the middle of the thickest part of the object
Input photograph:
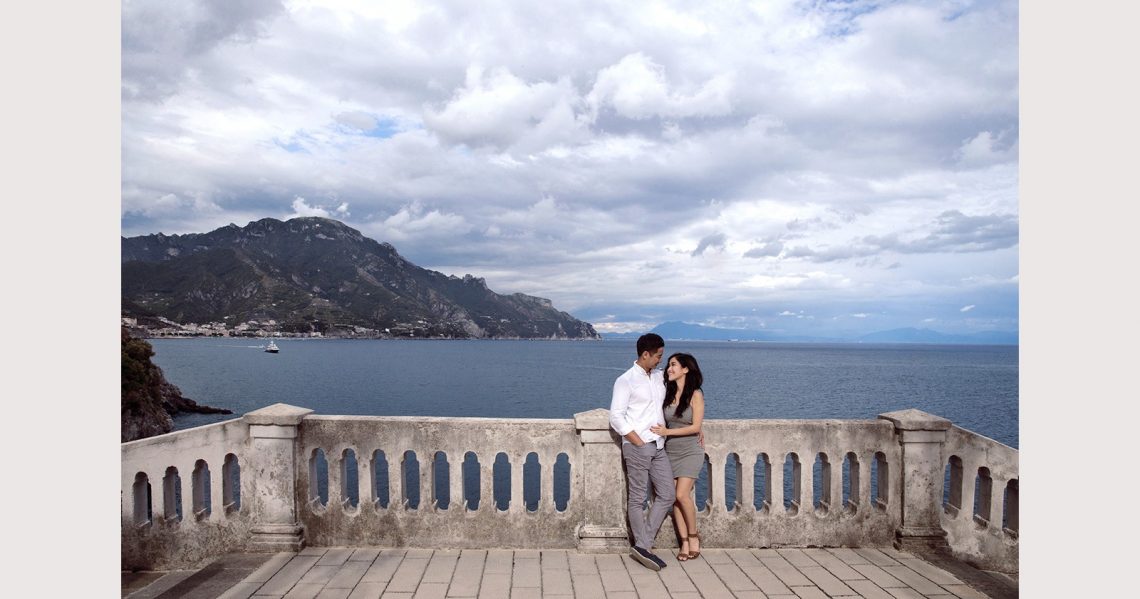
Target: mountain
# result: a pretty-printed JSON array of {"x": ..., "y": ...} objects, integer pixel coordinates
[
  {"x": 319, "y": 275},
  {"x": 688, "y": 331},
  {"x": 913, "y": 335}
]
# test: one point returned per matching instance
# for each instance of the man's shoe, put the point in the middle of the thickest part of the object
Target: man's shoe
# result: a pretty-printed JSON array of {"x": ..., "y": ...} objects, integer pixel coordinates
[{"x": 646, "y": 558}]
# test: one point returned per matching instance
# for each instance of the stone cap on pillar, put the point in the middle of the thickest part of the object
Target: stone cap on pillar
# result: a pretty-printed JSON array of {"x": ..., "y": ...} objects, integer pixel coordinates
[
  {"x": 916, "y": 420},
  {"x": 594, "y": 420},
  {"x": 278, "y": 414}
]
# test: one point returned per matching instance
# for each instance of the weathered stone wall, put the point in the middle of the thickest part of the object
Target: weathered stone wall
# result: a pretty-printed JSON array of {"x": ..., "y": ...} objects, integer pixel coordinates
[
  {"x": 428, "y": 525},
  {"x": 281, "y": 510},
  {"x": 984, "y": 542},
  {"x": 163, "y": 542}
]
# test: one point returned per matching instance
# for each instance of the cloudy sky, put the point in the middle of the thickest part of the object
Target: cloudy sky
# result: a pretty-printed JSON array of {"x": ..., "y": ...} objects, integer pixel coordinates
[{"x": 812, "y": 167}]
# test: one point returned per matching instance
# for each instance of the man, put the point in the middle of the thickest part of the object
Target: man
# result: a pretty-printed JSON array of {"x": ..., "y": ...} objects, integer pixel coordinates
[{"x": 636, "y": 406}]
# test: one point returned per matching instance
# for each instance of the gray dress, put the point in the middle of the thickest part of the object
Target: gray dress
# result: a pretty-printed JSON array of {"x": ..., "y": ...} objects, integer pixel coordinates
[{"x": 685, "y": 454}]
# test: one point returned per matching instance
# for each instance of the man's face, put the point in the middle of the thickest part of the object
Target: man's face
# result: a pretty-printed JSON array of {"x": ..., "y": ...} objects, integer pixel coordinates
[{"x": 652, "y": 360}]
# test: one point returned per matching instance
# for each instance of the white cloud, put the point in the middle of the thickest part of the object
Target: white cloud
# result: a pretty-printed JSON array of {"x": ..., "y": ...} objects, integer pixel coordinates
[
  {"x": 859, "y": 156},
  {"x": 967, "y": 308}
]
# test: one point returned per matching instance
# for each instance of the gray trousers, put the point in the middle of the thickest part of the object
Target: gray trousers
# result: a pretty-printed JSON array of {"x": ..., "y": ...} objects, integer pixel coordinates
[{"x": 645, "y": 465}]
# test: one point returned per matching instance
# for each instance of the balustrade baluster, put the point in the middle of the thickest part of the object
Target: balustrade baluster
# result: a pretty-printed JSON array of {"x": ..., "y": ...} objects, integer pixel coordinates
[
  {"x": 969, "y": 482},
  {"x": 717, "y": 459},
  {"x": 455, "y": 479},
  {"x": 334, "y": 459},
  {"x": 518, "y": 505},
  {"x": 997, "y": 501},
  {"x": 427, "y": 480},
  {"x": 487, "y": 482},
  {"x": 835, "y": 497},
  {"x": 776, "y": 501},
  {"x": 546, "y": 459},
  {"x": 746, "y": 484},
  {"x": 396, "y": 479},
  {"x": 364, "y": 479}
]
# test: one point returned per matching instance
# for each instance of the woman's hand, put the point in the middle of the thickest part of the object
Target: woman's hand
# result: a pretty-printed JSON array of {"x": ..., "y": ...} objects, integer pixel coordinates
[{"x": 659, "y": 429}]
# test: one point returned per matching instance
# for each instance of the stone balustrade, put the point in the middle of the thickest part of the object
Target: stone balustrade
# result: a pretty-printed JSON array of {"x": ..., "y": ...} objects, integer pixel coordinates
[{"x": 282, "y": 477}]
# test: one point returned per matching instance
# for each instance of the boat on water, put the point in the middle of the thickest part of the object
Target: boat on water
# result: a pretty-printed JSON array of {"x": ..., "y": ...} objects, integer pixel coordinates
[{"x": 271, "y": 348}]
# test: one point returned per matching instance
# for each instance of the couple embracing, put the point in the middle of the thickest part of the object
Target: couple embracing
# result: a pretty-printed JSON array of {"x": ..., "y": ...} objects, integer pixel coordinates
[{"x": 659, "y": 418}]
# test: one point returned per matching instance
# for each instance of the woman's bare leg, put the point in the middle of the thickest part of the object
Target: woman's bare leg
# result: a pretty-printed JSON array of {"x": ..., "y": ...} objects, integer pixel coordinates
[
  {"x": 679, "y": 523},
  {"x": 688, "y": 509}
]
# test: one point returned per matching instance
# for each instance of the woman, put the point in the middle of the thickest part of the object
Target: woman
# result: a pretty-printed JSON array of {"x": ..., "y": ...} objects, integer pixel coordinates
[{"x": 684, "y": 411}]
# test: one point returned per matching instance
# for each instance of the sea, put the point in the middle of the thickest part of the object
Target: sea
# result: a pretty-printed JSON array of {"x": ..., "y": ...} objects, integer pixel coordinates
[{"x": 974, "y": 386}]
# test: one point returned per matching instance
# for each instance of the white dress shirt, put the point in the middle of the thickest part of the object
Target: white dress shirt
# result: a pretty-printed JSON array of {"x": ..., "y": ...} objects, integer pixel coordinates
[{"x": 636, "y": 404}]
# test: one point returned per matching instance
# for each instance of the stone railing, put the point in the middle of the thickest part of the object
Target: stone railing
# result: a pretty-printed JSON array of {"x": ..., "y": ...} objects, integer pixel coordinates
[{"x": 282, "y": 477}]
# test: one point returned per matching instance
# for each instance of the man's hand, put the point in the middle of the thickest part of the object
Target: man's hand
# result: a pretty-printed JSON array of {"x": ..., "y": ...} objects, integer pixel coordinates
[{"x": 635, "y": 439}]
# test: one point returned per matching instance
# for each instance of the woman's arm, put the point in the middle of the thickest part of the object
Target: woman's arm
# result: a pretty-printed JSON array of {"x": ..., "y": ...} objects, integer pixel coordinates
[{"x": 697, "y": 405}]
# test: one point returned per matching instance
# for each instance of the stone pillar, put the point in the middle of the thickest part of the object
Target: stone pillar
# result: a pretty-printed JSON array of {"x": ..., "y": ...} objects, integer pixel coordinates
[
  {"x": 921, "y": 436},
  {"x": 604, "y": 526},
  {"x": 272, "y": 440}
]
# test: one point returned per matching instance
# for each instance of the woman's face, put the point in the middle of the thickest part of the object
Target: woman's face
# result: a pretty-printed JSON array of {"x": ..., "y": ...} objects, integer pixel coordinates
[{"x": 675, "y": 371}]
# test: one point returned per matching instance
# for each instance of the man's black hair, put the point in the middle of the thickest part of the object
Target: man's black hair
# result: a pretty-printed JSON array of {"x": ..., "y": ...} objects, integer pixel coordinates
[{"x": 649, "y": 342}]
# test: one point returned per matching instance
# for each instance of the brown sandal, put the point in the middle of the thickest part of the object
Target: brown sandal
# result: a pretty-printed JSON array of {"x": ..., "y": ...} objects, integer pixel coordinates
[
  {"x": 682, "y": 556},
  {"x": 697, "y": 553}
]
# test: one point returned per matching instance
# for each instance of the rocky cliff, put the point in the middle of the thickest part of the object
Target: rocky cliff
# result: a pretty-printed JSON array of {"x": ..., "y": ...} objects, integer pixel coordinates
[{"x": 149, "y": 402}]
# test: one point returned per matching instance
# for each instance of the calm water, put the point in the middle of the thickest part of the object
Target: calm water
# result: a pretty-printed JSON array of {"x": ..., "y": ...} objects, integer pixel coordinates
[
  {"x": 973, "y": 386},
  {"x": 976, "y": 387}
]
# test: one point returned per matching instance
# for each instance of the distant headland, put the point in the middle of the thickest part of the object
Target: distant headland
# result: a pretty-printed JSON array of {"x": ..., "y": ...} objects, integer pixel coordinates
[{"x": 315, "y": 277}]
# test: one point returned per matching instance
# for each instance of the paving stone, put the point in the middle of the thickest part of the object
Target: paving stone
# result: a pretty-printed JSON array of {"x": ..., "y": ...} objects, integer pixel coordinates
[
  {"x": 876, "y": 557},
  {"x": 928, "y": 570},
  {"x": 304, "y": 590},
  {"x": 693, "y": 595},
  {"x": 914, "y": 580},
  {"x": 327, "y": 593},
  {"x": 396, "y": 596},
  {"x": 826, "y": 581},
  {"x": 787, "y": 573},
  {"x": 526, "y": 593},
  {"x": 557, "y": 581},
  {"x": 394, "y": 551},
  {"x": 526, "y": 573},
  {"x": 348, "y": 575},
  {"x": 367, "y": 590},
  {"x": 705, "y": 579},
  {"x": 336, "y": 556},
  {"x": 715, "y": 556},
  {"x": 582, "y": 564},
  {"x": 905, "y": 593},
  {"x": 419, "y": 553},
  {"x": 964, "y": 591},
  {"x": 878, "y": 576},
  {"x": 441, "y": 567},
  {"x": 468, "y": 573},
  {"x": 796, "y": 557},
  {"x": 587, "y": 585},
  {"x": 288, "y": 575},
  {"x": 809, "y": 592},
  {"x": 895, "y": 553},
  {"x": 319, "y": 574},
  {"x": 868, "y": 589},
  {"x": 615, "y": 579},
  {"x": 241, "y": 590},
  {"x": 848, "y": 556},
  {"x": 732, "y": 576},
  {"x": 622, "y": 595},
  {"x": 499, "y": 561},
  {"x": 269, "y": 568},
  {"x": 833, "y": 564},
  {"x": 364, "y": 554},
  {"x": 313, "y": 551},
  {"x": 611, "y": 561},
  {"x": 495, "y": 585},
  {"x": 527, "y": 554},
  {"x": 431, "y": 590},
  {"x": 162, "y": 584},
  {"x": 648, "y": 583},
  {"x": 555, "y": 559},
  {"x": 407, "y": 577},
  {"x": 383, "y": 568}
]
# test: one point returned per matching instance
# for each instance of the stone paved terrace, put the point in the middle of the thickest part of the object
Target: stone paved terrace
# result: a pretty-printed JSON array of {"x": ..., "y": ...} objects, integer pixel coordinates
[{"x": 373, "y": 572}]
